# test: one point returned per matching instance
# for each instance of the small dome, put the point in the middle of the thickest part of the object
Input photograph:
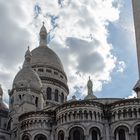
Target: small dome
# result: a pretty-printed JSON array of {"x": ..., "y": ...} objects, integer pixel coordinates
[
  {"x": 26, "y": 77},
  {"x": 45, "y": 56}
]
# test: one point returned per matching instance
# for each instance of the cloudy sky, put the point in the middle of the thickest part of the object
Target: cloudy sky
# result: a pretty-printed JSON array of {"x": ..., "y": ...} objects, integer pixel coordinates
[{"x": 93, "y": 38}]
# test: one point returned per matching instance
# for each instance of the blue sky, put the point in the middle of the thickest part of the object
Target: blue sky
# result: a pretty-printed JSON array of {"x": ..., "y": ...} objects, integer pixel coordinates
[
  {"x": 92, "y": 38},
  {"x": 124, "y": 48}
]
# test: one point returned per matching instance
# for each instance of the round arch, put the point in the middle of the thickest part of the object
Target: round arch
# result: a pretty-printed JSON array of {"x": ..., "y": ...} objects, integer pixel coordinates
[
  {"x": 40, "y": 137},
  {"x": 115, "y": 126},
  {"x": 61, "y": 135},
  {"x": 76, "y": 133},
  {"x": 135, "y": 125},
  {"x": 95, "y": 133},
  {"x": 121, "y": 133},
  {"x": 99, "y": 127},
  {"x": 137, "y": 132},
  {"x": 60, "y": 129},
  {"x": 77, "y": 125},
  {"x": 25, "y": 137}
]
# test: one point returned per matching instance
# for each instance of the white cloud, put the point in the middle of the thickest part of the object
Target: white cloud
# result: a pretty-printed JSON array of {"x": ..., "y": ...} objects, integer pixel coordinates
[
  {"x": 133, "y": 95},
  {"x": 121, "y": 66},
  {"x": 79, "y": 32}
]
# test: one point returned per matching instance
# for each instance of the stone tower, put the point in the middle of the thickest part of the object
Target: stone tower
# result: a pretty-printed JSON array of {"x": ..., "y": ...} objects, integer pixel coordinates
[
  {"x": 136, "y": 13},
  {"x": 25, "y": 95}
]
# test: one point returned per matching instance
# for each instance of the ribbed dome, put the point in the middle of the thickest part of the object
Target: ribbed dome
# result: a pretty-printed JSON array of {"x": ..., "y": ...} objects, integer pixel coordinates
[
  {"x": 45, "y": 56},
  {"x": 26, "y": 77}
]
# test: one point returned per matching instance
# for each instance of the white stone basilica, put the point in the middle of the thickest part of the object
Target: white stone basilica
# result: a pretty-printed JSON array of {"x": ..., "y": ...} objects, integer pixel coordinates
[{"x": 39, "y": 110}]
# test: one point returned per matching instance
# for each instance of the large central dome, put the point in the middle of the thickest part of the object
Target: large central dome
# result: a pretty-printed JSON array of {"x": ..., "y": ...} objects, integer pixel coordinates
[
  {"x": 45, "y": 56},
  {"x": 50, "y": 70}
]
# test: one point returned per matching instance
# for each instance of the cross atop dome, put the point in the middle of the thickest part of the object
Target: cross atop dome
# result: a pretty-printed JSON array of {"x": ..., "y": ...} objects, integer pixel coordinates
[{"x": 43, "y": 36}]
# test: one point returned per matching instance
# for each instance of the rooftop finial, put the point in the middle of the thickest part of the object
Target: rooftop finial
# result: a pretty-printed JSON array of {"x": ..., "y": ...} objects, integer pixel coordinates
[
  {"x": 28, "y": 56},
  {"x": 43, "y": 36}
]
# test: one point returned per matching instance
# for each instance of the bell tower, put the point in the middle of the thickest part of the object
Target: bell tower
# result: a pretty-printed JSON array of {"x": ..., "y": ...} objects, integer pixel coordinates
[{"x": 136, "y": 14}]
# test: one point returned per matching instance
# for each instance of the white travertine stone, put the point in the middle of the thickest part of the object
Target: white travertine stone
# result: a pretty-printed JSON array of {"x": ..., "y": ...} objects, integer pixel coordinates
[{"x": 136, "y": 14}]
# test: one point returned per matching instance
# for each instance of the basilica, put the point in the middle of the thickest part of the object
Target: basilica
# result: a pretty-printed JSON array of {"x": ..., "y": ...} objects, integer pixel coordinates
[{"x": 39, "y": 109}]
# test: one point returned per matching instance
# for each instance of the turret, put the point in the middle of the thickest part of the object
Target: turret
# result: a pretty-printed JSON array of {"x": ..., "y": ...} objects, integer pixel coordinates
[{"x": 26, "y": 94}]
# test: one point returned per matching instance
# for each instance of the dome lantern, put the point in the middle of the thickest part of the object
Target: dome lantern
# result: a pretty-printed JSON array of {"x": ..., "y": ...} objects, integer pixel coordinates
[{"x": 43, "y": 36}]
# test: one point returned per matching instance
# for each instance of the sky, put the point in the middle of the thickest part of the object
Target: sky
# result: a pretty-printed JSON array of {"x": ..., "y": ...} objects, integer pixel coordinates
[{"x": 92, "y": 38}]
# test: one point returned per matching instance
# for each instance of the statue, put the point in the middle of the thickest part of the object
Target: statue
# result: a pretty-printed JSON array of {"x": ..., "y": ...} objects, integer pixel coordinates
[{"x": 90, "y": 87}]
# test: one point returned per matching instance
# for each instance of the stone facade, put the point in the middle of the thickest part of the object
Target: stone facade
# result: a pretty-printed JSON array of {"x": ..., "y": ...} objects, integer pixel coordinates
[{"x": 39, "y": 110}]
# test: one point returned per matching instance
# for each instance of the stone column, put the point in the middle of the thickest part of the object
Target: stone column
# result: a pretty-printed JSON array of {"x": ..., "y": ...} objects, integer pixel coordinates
[
  {"x": 117, "y": 136},
  {"x": 106, "y": 131},
  {"x": 132, "y": 136},
  {"x": 136, "y": 13}
]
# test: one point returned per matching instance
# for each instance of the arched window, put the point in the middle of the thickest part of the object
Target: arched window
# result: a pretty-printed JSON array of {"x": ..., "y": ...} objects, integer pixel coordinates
[
  {"x": 56, "y": 95},
  {"x": 40, "y": 137},
  {"x": 138, "y": 133},
  {"x": 95, "y": 133},
  {"x": 25, "y": 137},
  {"x": 130, "y": 113},
  {"x": 61, "y": 135},
  {"x": 121, "y": 134},
  {"x": 49, "y": 93},
  {"x": 76, "y": 133},
  {"x": 36, "y": 101},
  {"x": 62, "y": 97}
]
